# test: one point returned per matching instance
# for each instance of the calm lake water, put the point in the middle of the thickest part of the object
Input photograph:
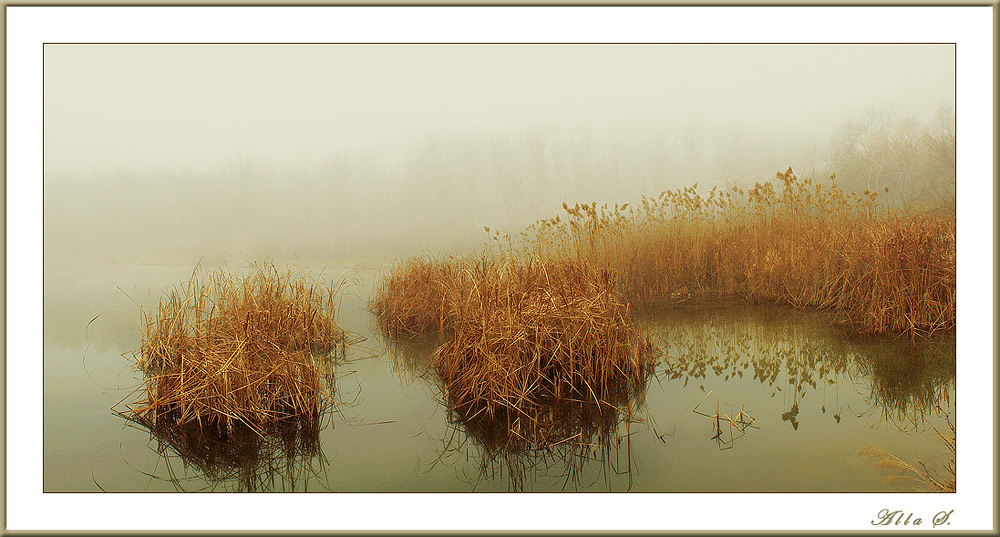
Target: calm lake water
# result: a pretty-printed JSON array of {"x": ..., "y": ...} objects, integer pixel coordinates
[{"x": 805, "y": 401}]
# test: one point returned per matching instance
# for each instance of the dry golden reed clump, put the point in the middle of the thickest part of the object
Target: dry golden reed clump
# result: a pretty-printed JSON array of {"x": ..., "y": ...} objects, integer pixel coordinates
[
  {"x": 415, "y": 297},
  {"x": 227, "y": 351},
  {"x": 528, "y": 334}
]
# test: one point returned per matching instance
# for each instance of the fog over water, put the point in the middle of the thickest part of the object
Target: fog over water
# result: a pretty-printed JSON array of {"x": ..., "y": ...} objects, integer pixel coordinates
[
  {"x": 374, "y": 152},
  {"x": 341, "y": 159}
]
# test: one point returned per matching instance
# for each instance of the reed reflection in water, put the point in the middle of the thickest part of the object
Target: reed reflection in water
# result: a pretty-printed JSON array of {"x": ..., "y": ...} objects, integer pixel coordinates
[
  {"x": 796, "y": 354},
  {"x": 237, "y": 459},
  {"x": 565, "y": 445},
  {"x": 284, "y": 455}
]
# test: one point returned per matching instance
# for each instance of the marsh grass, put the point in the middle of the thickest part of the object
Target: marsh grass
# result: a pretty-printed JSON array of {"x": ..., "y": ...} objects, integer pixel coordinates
[
  {"x": 805, "y": 243},
  {"x": 518, "y": 336},
  {"x": 231, "y": 351},
  {"x": 796, "y": 241},
  {"x": 415, "y": 297},
  {"x": 529, "y": 333},
  {"x": 525, "y": 327}
]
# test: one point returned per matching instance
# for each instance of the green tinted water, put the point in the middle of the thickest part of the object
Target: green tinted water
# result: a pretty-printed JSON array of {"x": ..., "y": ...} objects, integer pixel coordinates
[{"x": 797, "y": 402}]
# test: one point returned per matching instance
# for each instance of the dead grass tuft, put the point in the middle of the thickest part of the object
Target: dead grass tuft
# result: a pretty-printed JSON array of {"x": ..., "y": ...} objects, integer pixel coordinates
[
  {"x": 529, "y": 334},
  {"x": 238, "y": 351},
  {"x": 415, "y": 296}
]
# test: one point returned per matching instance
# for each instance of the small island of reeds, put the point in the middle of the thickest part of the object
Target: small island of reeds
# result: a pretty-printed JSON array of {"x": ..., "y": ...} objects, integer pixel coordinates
[
  {"x": 528, "y": 334},
  {"x": 253, "y": 350},
  {"x": 520, "y": 335}
]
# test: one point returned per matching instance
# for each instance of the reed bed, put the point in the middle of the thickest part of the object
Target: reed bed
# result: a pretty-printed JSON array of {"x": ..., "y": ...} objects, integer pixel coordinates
[
  {"x": 415, "y": 297},
  {"x": 528, "y": 334},
  {"x": 548, "y": 319},
  {"x": 518, "y": 334},
  {"x": 805, "y": 243},
  {"x": 899, "y": 277},
  {"x": 231, "y": 351}
]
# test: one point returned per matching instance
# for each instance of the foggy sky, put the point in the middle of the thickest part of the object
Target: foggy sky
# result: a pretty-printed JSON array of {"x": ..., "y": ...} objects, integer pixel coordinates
[{"x": 182, "y": 107}]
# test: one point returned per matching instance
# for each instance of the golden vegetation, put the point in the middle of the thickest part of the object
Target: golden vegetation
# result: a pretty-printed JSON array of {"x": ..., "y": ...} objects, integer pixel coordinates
[
  {"x": 415, "y": 297},
  {"x": 230, "y": 351},
  {"x": 530, "y": 333},
  {"x": 798, "y": 241},
  {"x": 564, "y": 440},
  {"x": 549, "y": 319},
  {"x": 533, "y": 330},
  {"x": 806, "y": 243},
  {"x": 519, "y": 334}
]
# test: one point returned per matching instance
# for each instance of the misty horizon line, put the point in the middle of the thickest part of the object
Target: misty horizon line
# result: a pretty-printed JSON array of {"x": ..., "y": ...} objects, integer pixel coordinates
[{"x": 711, "y": 137}]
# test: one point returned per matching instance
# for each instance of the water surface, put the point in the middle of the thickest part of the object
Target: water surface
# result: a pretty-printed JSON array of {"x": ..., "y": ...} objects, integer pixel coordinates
[{"x": 797, "y": 402}]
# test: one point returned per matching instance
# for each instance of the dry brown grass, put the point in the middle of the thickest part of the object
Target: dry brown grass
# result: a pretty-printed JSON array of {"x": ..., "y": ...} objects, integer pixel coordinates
[
  {"x": 528, "y": 334},
  {"x": 518, "y": 335},
  {"x": 806, "y": 243},
  {"x": 550, "y": 319},
  {"x": 238, "y": 351},
  {"x": 415, "y": 297},
  {"x": 898, "y": 276}
]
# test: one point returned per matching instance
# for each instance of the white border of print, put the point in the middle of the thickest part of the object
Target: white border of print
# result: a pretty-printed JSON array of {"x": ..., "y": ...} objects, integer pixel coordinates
[{"x": 28, "y": 27}]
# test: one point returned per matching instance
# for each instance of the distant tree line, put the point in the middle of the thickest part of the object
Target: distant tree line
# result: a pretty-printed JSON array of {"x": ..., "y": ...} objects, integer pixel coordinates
[
  {"x": 438, "y": 197},
  {"x": 915, "y": 160}
]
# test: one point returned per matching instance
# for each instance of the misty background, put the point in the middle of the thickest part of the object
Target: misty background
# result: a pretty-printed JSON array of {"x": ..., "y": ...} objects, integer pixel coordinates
[{"x": 371, "y": 153}]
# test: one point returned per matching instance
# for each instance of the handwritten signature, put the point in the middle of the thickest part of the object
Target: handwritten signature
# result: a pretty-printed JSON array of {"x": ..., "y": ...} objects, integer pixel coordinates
[{"x": 886, "y": 517}]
